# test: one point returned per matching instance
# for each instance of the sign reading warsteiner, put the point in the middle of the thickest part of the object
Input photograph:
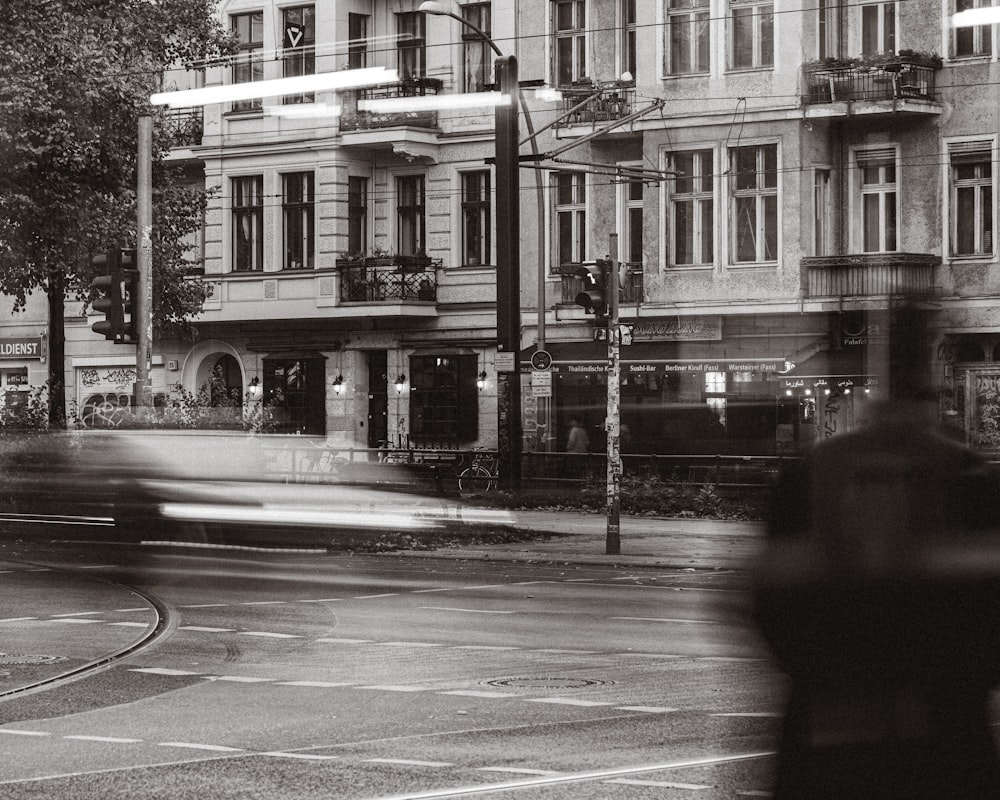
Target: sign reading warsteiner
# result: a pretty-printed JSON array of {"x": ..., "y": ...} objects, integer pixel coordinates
[
  {"x": 21, "y": 347},
  {"x": 678, "y": 329}
]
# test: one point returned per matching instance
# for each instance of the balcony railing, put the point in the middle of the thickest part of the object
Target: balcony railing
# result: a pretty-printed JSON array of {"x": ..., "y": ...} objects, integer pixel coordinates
[
  {"x": 901, "y": 77},
  {"x": 184, "y": 127},
  {"x": 388, "y": 279},
  {"x": 608, "y": 101},
  {"x": 355, "y": 120},
  {"x": 630, "y": 282},
  {"x": 870, "y": 274}
]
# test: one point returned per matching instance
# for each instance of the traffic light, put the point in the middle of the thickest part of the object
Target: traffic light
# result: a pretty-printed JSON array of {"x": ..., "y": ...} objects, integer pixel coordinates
[
  {"x": 107, "y": 289},
  {"x": 129, "y": 280},
  {"x": 593, "y": 297}
]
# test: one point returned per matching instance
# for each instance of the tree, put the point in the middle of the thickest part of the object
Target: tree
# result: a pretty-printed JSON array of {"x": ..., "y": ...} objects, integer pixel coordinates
[{"x": 75, "y": 75}]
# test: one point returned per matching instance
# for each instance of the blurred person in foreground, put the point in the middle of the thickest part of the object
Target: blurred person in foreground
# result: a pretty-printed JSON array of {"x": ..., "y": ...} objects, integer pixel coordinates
[{"x": 879, "y": 595}]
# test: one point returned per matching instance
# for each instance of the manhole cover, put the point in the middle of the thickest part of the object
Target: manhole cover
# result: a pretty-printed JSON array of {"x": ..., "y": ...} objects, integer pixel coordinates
[
  {"x": 28, "y": 658},
  {"x": 548, "y": 683}
]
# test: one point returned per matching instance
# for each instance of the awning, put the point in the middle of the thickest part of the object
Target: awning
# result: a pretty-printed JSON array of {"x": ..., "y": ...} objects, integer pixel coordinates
[{"x": 655, "y": 357}]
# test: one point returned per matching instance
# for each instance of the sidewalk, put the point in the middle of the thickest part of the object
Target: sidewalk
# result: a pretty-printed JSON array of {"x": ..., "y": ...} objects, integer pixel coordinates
[{"x": 581, "y": 538}]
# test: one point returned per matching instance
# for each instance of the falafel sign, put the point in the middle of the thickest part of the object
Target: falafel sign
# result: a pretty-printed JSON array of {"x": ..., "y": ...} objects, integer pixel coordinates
[{"x": 21, "y": 347}]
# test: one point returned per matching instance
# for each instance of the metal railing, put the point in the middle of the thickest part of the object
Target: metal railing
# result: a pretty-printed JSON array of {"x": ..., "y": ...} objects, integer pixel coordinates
[
  {"x": 608, "y": 101},
  {"x": 898, "y": 79},
  {"x": 374, "y": 280},
  {"x": 184, "y": 127},
  {"x": 870, "y": 274},
  {"x": 358, "y": 120}
]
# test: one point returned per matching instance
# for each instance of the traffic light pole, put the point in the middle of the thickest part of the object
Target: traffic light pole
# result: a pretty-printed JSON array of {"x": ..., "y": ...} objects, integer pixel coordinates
[
  {"x": 144, "y": 258},
  {"x": 613, "y": 421}
]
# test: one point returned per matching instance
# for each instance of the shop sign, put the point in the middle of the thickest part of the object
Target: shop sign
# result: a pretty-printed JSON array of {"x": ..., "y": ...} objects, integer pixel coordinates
[
  {"x": 676, "y": 366},
  {"x": 831, "y": 383},
  {"x": 16, "y": 378},
  {"x": 678, "y": 329},
  {"x": 21, "y": 347}
]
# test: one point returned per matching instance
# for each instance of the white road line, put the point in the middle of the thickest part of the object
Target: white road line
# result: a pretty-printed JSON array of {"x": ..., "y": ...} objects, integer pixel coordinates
[
  {"x": 410, "y": 644},
  {"x": 389, "y": 688},
  {"x": 347, "y": 641},
  {"x": 306, "y": 756},
  {"x": 204, "y": 629},
  {"x": 314, "y": 685},
  {"x": 569, "y": 652},
  {"x": 207, "y": 605},
  {"x": 130, "y": 624},
  {"x": 80, "y": 621},
  {"x": 163, "y": 671},
  {"x": 19, "y": 619},
  {"x": 111, "y": 739},
  {"x": 323, "y": 600},
  {"x": 660, "y": 784},
  {"x": 16, "y": 732},
  {"x": 131, "y": 610},
  {"x": 265, "y": 603},
  {"x": 76, "y": 614},
  {"x": 217, "y": 748},
  {"x": 464, "y": 610},
  {"x": 375, "y": 596},
  {"x": 670, "y": 619},
  {"x": 238, "y": 679},
  {"x": 268, "y": 635},
  {"x": 648, "y": 709},
  {"x": 428, "y": 591},
  {"x": 485, "y": 647},
  {"x": 566, "y": 701},
  {"x": 410, "y": 762},
  {"x": 520, "y": 771},
  {"x": 472, "y": 693}
]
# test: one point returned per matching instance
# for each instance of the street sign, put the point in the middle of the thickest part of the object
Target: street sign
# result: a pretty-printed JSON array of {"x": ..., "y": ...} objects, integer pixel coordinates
[
  {"x": 504, "y": 362},
  {"x": 541, "y": 383},
  {"x": 541, "y": 360}
]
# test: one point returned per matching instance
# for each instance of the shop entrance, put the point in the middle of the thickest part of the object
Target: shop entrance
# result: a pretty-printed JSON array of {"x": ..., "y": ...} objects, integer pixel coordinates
[{"x": 378, "y": 398}]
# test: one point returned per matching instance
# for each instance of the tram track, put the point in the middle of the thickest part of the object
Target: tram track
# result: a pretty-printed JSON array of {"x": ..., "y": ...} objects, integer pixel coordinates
[{"x": 161, "y": 627}]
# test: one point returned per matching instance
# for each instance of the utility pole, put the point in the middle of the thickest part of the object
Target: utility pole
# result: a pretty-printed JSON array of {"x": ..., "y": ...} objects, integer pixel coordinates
[
  {"x": 613, "y": 421},
  {"x": 143, "y": 304}
]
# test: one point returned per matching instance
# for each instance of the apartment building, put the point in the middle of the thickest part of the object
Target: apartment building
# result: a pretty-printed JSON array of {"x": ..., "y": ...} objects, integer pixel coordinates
[{"x": 774, "y": 177}]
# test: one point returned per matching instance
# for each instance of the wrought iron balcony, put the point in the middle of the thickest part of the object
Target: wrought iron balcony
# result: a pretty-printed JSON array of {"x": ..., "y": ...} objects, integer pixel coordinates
[
  {"x": 388, "y": 279},
  {"x": 184, "y": 127},
  {"x": 870, "y": 274},
  {"x": 910, "y": 76},
  {"x": 603, "y": 101},
  {"x": 354, "y": 120}
]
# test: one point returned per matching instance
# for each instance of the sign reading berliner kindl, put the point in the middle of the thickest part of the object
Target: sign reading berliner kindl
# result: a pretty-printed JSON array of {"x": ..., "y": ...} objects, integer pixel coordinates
[{"x": 21, "y": 347}]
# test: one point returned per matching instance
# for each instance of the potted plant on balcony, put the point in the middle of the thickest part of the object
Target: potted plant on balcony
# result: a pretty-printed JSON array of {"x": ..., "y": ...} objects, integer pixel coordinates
[{"x": 417, "y": 262}]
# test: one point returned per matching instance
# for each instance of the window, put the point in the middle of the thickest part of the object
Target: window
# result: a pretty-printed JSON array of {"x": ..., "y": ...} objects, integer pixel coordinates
[
  {"x": 753, "y": 34},
  {"x": 821, "y": 212},
  {"x": 688, "y": 40},
  {"x": 715, "y": 394},
  {"x": 753, "y": 181},
  {"x": 476, "y": 52},
  {"x": 294, "y": 394},
  {"x": 571, "y": 41},
  {"x": 878, "y": 28},
  {"x": 692, "y": 209},
  {"x": 357, "y": 214},
  {"x": 410, "y": 214},
  {"x": 357, "y": 47},
  {"x": 248, "y": 65},
  {"x": 628, "y": 37},
  {"x": 444, "y": 400},
  {"x": 971, "y": 199},
  {"x": 248, "y": 221},
  {"x": 411, "y": 45},
  {"x": 299, "y": 56},
  {"x": 975, "y": 40},
  {"x": 633, "y": 191},
  {"x": 877, "y": 170},
  {"x": 571, "y": 217},
  {"x": 297, "y": 215},
  {"x": 829, "y": 28},
  {"x": 476, "y": 218}
]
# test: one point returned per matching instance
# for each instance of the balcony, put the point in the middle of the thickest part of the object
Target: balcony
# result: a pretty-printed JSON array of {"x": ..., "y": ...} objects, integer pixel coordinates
[
  {"x": 905, "y": 82},
  {"x": 870, "y": 274},
  {"x": 352, "y": 120},
  {"x": 599, "y": 102},
  {"x": 388, "y": 279},
  {"x": 183, "y": 127}
]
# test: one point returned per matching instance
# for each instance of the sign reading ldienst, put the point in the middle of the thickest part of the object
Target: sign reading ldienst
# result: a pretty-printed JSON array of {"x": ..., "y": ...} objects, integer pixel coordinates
[{"x": 21, "y": 347}]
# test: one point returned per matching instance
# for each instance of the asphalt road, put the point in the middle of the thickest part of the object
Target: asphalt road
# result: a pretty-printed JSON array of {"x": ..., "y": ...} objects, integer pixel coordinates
[{"x": 371, "y": 677}]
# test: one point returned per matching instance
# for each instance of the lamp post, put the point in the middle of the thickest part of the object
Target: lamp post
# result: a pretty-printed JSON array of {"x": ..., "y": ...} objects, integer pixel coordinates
[{"x": 508, "y": 226}]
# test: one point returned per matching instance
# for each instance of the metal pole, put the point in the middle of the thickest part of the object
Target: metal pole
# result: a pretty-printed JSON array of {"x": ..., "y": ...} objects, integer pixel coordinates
[
  {"x": 508, "y": 218},
  {"x": 612, "y": 423},
  {"x": 143, "y": 304}
]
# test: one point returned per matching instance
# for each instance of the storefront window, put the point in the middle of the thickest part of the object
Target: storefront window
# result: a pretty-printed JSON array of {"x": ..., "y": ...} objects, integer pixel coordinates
[
  {"x": 444, "y": 399},
  {"x": 294, "y": 391}
]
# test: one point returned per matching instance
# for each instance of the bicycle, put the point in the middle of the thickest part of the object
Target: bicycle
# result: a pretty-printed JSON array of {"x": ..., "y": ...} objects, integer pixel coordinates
[
  {"x": 320, "y": 465},
  {"x": 481, "y": 476}
]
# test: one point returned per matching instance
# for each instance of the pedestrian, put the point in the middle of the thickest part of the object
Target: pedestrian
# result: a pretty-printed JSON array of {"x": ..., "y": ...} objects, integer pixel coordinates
[{"x": 578, "y": 441}]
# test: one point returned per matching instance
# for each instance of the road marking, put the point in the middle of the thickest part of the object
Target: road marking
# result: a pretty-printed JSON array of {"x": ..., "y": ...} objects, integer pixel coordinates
[
  {"x": 207, "y": 605},
  {"x": 397, "y": 688},
  {"x": 131, "y": 610},
  {"x": 76, "y": 614},
  {"x": 347, "y": 641},
  {"x": 323, "y": 600},
  {"x": 217, "y": 748},
  {"x": 238, "y": 679},
  {"x": 472, "y": 693},
  {"x": 162, "y": 671},
  {"x": 306, "y": 756},
  {"x": 659, "y": 784},
  {"x": 670, "y": 619},
  {"x": 375, "y": 596},
  {"x": 428, "y": 591},
  {"x": 485, "y": 647},
  {"x": 410, "y": 644},
  {"x": 566, "y": 701},
  {"x": 204, "y": 629},
  {"x": 130, "y": 624},
  {"x": 16, "y": 732},
  {"x": 265, "y": 603},
  {"x": 268, "y": 635},
  {"x": 19, "y": 619},
  {"x": 80, "y": 621},
  {"x": 314, "y": 684},
  {"x": 111, "y": 739},
  {"x": 648, "y": 709},
  {"x": 410, "y": 762},
  {"x": 520, "y": 771},
  {"x": 464, "y": 610},
  {"x": 570, "y": 652}
]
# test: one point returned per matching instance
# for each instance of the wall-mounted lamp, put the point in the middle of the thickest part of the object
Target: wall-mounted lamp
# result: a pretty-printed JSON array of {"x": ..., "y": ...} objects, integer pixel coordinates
[
  {"x": 400, "y": 383},
  {"x": 481, "y": 380},
  {"x": 338, "y": 384},
  {"x": 253, "y": 390}
]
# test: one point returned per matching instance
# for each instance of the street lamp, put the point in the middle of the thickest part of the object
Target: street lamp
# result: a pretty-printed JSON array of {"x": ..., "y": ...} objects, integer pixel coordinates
[{"x": 508, "y": 218}]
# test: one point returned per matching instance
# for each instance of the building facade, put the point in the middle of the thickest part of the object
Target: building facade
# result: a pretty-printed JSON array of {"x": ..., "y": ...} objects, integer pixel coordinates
[{"x": 770, "y": 178}]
